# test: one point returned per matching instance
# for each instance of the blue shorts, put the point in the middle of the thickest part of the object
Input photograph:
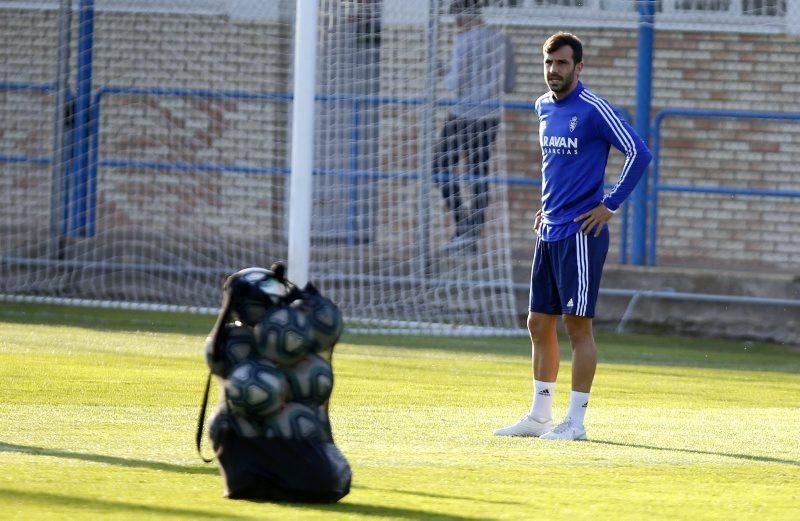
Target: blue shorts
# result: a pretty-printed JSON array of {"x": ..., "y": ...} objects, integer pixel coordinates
[{"x": 565, "y": 275}]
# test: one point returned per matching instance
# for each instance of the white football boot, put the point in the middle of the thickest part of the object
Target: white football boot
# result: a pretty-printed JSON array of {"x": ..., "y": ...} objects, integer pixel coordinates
[
  {"x": 566, "y": 430},
  {"x": 527, "y": 426}
]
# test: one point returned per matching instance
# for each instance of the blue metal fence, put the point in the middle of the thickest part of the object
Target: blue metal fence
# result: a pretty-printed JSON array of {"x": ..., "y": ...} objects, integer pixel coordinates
[
  {"x": 656, "y": 186},
  {"x": 353, "y": 173},
  {"x": 75, "y": 207},
  {"x": 79, "y": 202},
  {"x": 31, "y": 87}
]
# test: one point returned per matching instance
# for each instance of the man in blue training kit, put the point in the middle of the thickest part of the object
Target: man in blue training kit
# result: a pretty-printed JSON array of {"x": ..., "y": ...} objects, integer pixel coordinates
[{"x": 576, "y": 130}]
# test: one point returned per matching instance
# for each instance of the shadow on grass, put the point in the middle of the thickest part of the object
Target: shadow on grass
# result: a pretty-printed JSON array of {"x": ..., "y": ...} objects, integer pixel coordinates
[
  {"x": 384, "y": 511},
  {"x": 437, "y": 496},
  {"x": 43, "y": 498},
  {"x": 108, "y": 460},
  {"x": 746, "y": 457},
  {"x": 50, "y": 501}
]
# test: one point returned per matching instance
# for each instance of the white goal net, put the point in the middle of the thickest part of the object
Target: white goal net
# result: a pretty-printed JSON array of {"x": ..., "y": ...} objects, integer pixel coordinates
[{"x": 169, "y": 167}]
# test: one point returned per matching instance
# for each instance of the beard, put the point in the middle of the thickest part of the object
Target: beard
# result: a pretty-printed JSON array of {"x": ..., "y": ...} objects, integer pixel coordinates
[{"x": 561, "y": 84}]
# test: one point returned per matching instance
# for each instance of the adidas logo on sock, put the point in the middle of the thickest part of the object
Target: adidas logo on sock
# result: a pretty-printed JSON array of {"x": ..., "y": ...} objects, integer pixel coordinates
[
  {"x": 544, "y": 392},
  {"x": 585, "y": 405}
]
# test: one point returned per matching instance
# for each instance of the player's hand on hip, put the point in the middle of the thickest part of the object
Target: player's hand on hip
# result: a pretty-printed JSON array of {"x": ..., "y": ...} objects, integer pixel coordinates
[
  {"x": 537, "y": 221},
  {"x": 594, "y": 219}
]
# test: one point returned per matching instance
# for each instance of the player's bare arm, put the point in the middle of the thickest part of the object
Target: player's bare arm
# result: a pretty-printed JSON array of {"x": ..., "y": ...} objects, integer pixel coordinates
[{"x": 594, "y": 219}]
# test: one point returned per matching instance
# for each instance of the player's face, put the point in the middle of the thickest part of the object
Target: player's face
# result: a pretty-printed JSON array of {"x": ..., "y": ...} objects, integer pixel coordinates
[{"x": 560, "y": 71}]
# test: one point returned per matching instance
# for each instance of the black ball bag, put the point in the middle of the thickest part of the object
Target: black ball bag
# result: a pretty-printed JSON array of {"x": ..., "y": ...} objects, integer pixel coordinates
[
  {"x": 275, "y": 469},
  {"x": 253, "y": 465}
]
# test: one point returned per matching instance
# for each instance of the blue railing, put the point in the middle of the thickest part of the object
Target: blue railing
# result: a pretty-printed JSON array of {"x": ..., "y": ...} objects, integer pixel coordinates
[
  {"x": 357, "y": 101},
  {"x": 75, "y": 204},
  {"x": 34, "y": 87},
  {"x": 656, "y": 187},
  {"x": 353, "y": 172},
  {"x": 13, "y": 85}
]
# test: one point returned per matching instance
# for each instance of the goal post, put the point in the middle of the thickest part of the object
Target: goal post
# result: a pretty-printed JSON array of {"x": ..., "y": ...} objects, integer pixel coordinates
[{"x": 301, "y": 183}]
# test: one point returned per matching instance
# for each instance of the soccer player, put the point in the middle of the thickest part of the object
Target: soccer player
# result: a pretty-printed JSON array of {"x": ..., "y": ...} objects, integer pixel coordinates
[
  {"x": 481, "y": 68},
  {"x": 576, "y": 130}
]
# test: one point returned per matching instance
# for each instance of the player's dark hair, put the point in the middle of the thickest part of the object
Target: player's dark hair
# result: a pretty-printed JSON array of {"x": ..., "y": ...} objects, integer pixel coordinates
[{"x": 561, "y": 39}]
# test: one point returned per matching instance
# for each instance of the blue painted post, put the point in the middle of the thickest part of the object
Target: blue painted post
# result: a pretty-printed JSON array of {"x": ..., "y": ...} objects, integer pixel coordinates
[
  {"x": 644, "y": 82},
  {"x": 83, "y": 99}
]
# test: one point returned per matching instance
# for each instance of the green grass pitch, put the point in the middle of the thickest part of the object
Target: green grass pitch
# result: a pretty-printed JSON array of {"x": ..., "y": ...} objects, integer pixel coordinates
[{"x": 98, "y": 411}]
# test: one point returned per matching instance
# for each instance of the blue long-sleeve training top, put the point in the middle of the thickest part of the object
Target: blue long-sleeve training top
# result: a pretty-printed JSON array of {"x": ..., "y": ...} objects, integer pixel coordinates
[{"x": 576, "y": 134}]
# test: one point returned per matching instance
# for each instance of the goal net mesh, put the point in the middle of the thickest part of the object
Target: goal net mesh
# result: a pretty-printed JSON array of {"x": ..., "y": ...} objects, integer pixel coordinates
[{"x": 172, "y": 167}]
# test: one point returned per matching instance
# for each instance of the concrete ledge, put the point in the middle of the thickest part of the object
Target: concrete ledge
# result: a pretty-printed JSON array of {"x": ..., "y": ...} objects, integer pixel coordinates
[
  {"x": 698, "y": 302},
  {"x": 697, "y": 280}
]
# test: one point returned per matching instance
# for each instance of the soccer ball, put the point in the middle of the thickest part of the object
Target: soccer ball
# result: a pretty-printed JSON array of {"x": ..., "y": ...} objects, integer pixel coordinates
[
  {"x": 245, "y": 427},
  {"x": 237, "y": 345},
  {"x": 310, "y": 380},
  {"x": 283, "y": 335},
  {"x": 249, "y": 311},
  {"x": 255, "y": 389},
  {"x": 295, "y": 422},
  {"x": 325, "y": 317},
  {"x": 222, "y": 421},
  {"x": 253, "y": 291},
  {"x": 219, "y": 423}
]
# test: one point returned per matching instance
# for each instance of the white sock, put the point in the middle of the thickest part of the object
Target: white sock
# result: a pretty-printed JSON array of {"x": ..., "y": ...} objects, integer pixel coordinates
[
  {"x": 542, "y": 408},
  {"x": 578, "y": 402}
]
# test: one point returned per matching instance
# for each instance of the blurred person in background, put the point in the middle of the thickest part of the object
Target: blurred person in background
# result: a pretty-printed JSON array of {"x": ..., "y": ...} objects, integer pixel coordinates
[{"x": 481, "y": 68}]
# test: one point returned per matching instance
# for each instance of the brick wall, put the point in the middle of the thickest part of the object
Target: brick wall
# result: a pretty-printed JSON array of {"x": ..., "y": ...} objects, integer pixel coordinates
[{"x": 691, "y": 70}]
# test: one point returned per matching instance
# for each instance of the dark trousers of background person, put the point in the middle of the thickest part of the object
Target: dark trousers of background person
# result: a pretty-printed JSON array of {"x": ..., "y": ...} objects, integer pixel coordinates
[{"x": 473, "y": 139}]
